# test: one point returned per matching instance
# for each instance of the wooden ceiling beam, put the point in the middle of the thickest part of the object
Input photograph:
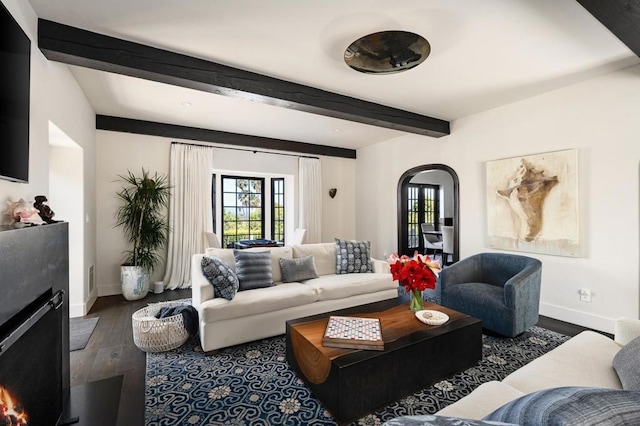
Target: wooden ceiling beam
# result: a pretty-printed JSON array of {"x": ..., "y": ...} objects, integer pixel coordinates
[
  {"x": 621, "y": 17},
  {"x": 141, "y": 127},
  {"x": 75, "y": 46}
]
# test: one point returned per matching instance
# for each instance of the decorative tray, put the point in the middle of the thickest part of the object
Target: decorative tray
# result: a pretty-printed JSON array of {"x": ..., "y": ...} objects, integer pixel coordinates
[{"x": 432, "y": 317}]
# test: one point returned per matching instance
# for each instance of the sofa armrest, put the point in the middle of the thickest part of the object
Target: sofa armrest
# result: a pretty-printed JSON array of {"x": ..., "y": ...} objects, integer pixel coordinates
[
  {"x": 380, "y": 266},
  {"x": 201, "y": 289},
  {"x": 626, "y": 329}
]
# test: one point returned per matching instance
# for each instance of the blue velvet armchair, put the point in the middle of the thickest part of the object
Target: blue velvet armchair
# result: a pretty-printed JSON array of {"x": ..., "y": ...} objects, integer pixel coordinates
[{"x": 503, "y": 290}]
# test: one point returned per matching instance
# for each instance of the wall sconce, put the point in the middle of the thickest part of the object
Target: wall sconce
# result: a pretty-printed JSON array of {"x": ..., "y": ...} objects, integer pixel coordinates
[{"x": 332, "y": 192}]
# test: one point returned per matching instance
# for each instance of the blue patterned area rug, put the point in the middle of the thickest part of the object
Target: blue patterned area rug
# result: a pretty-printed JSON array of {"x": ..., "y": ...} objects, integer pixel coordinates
[{"x": 252, "y": 384}]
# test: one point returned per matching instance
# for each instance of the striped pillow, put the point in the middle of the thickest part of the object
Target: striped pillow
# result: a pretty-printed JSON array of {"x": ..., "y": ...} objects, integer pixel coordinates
[
  {"x": 572, "y": 406},
  {"x": 253, "y": 269}
]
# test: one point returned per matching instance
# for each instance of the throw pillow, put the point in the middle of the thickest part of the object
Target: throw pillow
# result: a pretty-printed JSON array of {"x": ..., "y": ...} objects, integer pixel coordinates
[
  {"x": 431, "y": 420},
  {"x": 572, "y": 406},
  {"x": 627, "y": 365},
  {"x": 221, "y": 276},
  {"x": 353, "y": 257},
  {"x": 253, "y": 269},
  {"x": 298, "y": 269}
]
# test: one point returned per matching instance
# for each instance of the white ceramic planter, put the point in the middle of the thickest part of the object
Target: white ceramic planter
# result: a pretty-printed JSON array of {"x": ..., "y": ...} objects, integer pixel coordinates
[{"x": 135, "y": 282}]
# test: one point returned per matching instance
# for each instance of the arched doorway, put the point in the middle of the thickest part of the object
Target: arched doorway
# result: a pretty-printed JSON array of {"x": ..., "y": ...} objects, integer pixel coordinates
[{"x": 427, "y": 194}]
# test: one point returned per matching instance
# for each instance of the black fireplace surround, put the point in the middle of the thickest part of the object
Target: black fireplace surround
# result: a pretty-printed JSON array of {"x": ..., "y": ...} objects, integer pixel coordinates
[{"x": 34, "y": 324}]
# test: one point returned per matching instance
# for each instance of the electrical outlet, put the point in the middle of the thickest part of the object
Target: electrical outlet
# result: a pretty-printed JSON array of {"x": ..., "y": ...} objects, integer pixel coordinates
[{"x": 585, "y": 295}]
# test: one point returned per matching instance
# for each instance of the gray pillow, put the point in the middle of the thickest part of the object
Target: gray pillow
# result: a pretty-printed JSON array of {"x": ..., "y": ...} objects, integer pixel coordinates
[
  {"x": 627, "y": 365},
  {"x": 572, "y": 406},
  {"x": 298, "y": 269},
  {"x": 221, "y": 276},
  {"x": 353, "y": 257},
  {"x": 253, "y": 269}
]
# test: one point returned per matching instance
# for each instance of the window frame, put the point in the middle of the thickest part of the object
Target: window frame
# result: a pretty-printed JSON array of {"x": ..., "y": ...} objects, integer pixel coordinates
[
  {"x": 225, "y": 240},
  {"x": 279, "y": 181}
]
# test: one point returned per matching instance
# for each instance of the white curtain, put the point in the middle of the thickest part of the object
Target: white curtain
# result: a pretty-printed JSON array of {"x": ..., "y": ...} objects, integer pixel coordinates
[
  {"x": 310, "y": 198},
  {"x": 189, "y": 210}
]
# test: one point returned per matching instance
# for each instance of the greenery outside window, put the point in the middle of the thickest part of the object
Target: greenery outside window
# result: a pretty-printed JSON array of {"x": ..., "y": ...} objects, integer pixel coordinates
[{"x": 242, "y": 209}]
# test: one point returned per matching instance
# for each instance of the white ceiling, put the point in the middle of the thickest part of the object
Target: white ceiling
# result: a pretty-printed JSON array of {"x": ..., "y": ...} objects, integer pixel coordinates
[{"x": 484, "y": 54}]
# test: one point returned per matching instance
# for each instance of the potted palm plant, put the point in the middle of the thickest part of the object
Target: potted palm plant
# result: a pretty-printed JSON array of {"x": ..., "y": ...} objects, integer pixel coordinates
[{"x": 144, "y": 200}]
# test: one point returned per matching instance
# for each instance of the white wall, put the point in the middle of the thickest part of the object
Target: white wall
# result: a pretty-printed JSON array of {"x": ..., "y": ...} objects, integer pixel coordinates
[
  {"x": 119, "y": 152},
  {"x": 599, "y": 118},
  {"x": 56, "y": 98}
]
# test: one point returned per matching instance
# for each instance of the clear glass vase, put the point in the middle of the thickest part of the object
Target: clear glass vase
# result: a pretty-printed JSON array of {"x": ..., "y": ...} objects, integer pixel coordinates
[{"x": 416, "y": 301}]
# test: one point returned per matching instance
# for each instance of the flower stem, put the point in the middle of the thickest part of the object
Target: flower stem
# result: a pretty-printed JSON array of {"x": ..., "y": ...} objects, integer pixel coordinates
[{"x": 416, "y": 302}]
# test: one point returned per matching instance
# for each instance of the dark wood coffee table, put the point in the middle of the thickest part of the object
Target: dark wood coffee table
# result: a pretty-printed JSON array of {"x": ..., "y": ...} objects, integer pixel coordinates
[{"x": 351, "y": 383}]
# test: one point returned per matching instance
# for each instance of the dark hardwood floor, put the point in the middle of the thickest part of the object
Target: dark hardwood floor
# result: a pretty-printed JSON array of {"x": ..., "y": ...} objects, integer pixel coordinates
[{"x": 111, "y": 353}]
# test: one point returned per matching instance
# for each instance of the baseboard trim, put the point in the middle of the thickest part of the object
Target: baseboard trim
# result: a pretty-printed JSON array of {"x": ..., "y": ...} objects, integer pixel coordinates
[
  {"x": 584, "y": 319},
  {"x": 109, "y": 290},
  {"x": 77, "y": 310},
  {"x": 83, "y": 308}
]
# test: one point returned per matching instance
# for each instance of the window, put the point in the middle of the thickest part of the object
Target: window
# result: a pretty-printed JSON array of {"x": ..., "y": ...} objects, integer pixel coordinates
[
  {"x": 242, "y": 209},
  {"x": 423, "y": 205},
  {"x": 430, "y": 194},
  {"x": 277, "y": 209},
  {"x": 413, "y": 218}
]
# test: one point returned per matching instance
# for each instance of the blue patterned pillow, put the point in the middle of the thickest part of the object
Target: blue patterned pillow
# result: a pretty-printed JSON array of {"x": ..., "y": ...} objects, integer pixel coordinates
[
  {"x": 353, "y": 257},
  {"x": 221, "y": 276},
  {"x": 572, "y": 406},
  {"x": 253, "y": 269}
]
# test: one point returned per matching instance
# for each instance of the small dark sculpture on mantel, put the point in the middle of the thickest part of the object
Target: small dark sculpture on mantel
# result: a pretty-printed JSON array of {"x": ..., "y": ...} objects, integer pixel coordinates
[{"x": 44, "y": 210}]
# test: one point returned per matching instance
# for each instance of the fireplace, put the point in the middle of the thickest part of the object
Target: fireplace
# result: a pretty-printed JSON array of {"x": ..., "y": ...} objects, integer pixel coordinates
[{"x": 34, "y": 341}]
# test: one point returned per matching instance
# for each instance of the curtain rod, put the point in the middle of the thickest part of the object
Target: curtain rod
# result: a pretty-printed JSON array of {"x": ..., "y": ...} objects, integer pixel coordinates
[{"x": 255, "y": 151}]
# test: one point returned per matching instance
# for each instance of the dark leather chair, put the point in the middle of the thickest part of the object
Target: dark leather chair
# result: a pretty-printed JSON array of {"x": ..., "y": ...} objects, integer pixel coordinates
[{"x": 503, "y": 290}]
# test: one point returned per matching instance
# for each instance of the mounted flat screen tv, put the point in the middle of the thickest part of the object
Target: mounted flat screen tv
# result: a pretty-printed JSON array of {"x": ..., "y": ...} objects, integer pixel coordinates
[{"x": 15, "y": 69}]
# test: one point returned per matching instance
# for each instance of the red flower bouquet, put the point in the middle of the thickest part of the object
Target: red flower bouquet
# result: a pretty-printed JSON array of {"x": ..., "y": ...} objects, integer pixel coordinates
[{"x": 415, "y": 274}]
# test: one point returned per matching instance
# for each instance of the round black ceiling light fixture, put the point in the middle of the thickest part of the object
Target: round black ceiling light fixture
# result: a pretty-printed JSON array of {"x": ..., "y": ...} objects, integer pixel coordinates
[{"x": 387, "y": 52}]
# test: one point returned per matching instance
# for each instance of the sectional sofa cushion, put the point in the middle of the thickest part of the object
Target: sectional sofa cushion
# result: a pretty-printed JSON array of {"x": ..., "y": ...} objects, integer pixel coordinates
[
  {"x": 253, "y": 269},
  {"x": 257, "y": 301},
  {"x": 484, "y": 399},
  {"x": 299, "y": 269},
  {"x": 627, "y": 365},
  {"x": 572, "y": 405},
  {"x": 221, "y": 276},
  {"x": 324, "y": 256},
  {"x": 331, "y": 287},
  {"x": 565, "y": 365},
  {"x": 353, "y": 257}
]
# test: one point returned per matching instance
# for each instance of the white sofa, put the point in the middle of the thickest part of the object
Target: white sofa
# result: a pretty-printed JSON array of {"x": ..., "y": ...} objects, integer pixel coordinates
[
  {"x": 584, "y": 360},
  {"x": 262, "y": 312}
]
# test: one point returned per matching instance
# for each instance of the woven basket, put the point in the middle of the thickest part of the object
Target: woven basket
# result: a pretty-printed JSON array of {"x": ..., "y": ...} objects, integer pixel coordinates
[{"x": 152, "y": 334}]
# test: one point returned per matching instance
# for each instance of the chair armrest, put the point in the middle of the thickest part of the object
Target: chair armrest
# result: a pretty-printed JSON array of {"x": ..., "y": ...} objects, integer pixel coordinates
[
  {"x": 524, "y": 287},
  {"x": 201, "y": 288},
  {"x": 626, "y": 329},
  {"x": 380, "y": 266}
]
